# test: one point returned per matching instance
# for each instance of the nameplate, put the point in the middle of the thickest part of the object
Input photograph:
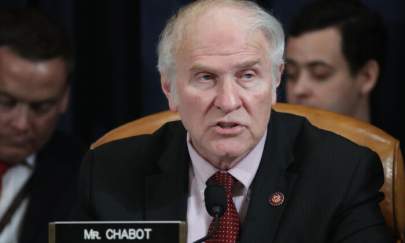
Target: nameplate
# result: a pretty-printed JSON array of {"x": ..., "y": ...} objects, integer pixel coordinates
[{"x": 117, "y": 231}]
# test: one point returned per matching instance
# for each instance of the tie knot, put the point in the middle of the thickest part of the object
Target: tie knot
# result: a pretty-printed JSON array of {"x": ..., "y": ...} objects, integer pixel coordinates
[{"x": 224, "y": 179}]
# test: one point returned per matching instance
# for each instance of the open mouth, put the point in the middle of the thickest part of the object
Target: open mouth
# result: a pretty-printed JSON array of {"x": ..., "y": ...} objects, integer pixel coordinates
[
  {"x": 227, "y": 124},
  {"x": 228, "y": 128}
]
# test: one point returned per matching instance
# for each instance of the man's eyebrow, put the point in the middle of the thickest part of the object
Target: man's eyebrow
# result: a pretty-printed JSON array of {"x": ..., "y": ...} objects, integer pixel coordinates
[
  {"x": 46, "y": 100},
  {"x": 201, "y": 67},
  {"x": 290, "y": 61},
  {"x": 310, "y": 64},
  {"x": 319, "y": 63},
  {"x": 247, "y": 64}
]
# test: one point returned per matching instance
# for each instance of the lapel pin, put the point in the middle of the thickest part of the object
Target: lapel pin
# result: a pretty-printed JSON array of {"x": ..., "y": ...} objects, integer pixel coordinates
[{"x": 276, "y": 199}]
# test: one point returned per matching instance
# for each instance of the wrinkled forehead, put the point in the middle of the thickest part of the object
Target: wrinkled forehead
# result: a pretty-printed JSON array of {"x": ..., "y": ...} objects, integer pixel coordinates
[
  {"x": 220, "y": 29},
  {"x": 31, "y": 80}
]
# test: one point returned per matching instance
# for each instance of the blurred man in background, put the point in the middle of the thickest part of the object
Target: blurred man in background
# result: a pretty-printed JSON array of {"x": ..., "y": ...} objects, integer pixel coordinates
[
  {"x": 37, "y": 164},
  {"x": 334, "y": 57}
]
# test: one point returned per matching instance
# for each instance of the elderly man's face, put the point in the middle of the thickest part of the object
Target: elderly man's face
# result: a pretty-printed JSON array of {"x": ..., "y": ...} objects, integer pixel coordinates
[
  {"x": 32, "y": 96},
  {"x": 224, "y": 87}
]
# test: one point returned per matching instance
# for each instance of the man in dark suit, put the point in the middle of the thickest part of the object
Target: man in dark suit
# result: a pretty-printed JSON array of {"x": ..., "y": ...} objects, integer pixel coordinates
[
  {"x": 284, "y": 180},
  {"x": 38, "y": 165}
]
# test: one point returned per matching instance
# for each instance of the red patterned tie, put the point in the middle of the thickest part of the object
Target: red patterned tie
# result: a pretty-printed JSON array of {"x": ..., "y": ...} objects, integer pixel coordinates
[{"x": 229, "y": 224}]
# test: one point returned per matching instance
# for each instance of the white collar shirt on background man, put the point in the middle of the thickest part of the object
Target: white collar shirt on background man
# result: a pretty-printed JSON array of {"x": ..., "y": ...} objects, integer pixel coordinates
[{"x": 13, "y": 181}]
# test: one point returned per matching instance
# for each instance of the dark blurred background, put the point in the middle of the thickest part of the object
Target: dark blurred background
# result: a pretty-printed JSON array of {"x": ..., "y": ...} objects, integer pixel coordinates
[{"x": 116, "y": 79}]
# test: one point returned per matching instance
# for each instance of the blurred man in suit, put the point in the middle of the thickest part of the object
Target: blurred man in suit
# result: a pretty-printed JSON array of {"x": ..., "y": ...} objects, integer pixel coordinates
[
  {"x": 334, "y": 55},
  {"x": 285, "y": 181},
  {"x": 38, "y": 165}
]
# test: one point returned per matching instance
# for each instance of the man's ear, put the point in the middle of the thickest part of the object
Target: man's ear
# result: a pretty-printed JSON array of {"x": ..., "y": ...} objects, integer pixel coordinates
[
  {"x": 276, "y": 83},
  {"x": 280, "y": 74},
  {"x": 63, "y": 105},
  {"x": 169, "y": 92},
  {"x": 367, "y": 77}
]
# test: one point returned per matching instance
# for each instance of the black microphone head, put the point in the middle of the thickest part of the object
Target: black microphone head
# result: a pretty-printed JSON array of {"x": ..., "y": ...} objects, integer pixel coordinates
[{"x": 215, "y": 200}]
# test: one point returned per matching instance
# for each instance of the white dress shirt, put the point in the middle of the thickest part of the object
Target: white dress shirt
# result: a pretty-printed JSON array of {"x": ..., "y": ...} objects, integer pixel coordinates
[
  {"x": 198, "y": 219},
  {"x": 12, "y": 181}
]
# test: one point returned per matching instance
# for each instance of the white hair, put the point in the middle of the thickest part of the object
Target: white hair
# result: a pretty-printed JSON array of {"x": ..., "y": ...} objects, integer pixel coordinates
[{"x": 258, "y": 19}]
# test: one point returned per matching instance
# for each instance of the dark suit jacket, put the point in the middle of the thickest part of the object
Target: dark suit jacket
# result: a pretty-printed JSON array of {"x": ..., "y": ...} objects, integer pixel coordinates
[
  {"x": 54, "y": 189},
  {"x": 330, "y": 184}
]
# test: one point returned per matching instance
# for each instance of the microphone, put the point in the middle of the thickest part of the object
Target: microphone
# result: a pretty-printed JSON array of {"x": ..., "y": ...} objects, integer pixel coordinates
[{"x": 215, "y": 203}]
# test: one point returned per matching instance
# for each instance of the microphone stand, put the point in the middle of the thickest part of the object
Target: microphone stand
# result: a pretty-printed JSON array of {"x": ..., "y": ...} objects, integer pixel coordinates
[{"x": 215, "y": 203}]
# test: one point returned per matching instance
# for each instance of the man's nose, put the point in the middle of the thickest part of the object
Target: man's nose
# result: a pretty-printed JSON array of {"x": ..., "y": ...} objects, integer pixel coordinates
[
  {"x": 21, "y": 117},
  {"x": 228, "y": 97}
]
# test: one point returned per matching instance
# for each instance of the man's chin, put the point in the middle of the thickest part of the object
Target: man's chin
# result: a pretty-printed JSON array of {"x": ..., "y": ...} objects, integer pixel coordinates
[
  {"x": 231, "y": 147},
  {"x": 226, "y": 158},
  {"x": 226, "y": 162}
]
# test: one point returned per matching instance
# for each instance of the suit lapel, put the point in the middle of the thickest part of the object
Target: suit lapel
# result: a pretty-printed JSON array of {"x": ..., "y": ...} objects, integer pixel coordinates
[
  {"x": 53, "y": 188},
  {"x": 166, "y": 192},
  {"x": 37, "y": 213},
  {"x": 275, "y": 177}
]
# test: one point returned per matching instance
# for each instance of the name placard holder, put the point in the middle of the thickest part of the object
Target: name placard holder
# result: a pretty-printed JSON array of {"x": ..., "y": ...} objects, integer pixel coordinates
[{"x": 118, "y": 231}]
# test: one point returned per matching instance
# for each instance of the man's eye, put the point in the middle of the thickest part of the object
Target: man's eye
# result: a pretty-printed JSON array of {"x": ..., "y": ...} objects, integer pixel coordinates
[
  {"x": 248, "y": 78},
  {"x": 42, "y": 107},
  {"x": 291, "y": 72},
  {"x": 203, "y": 80},
  {"x": 205, "y": 77},
  {"x": 248, "y": 75},
  {"x": 7, "y": 103},
  {"x": 321, "y": 72}
]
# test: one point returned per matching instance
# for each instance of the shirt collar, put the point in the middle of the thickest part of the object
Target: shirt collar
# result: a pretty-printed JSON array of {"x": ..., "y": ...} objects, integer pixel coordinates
[
  {"x": 30, "y": 160},
  {"x": 244, "y": 171}
]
